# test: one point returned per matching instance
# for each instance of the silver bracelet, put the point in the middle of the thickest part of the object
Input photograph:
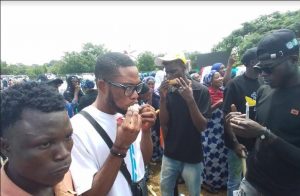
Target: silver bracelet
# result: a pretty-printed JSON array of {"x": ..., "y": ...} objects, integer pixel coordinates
[{"x": 266, "y": 134}]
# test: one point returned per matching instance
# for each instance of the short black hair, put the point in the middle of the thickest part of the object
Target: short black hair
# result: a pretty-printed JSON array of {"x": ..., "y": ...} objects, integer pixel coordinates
[
  {"x": 28, "y": 95},
  {"x": 248, "y": 56},
  {"x": 107, "y": 65}
]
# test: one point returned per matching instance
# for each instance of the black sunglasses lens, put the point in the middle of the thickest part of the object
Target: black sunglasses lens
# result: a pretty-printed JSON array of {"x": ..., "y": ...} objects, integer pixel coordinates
[
  {"x": 257, "y": 69},
  {"x": 267, "y": 70},
  {"x": 139, "y": 87},
  {"x": 130, "y": 89}
]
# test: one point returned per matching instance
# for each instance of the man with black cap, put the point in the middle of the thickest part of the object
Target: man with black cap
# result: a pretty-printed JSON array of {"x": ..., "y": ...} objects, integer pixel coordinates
[
  {"x": 53, "y": 82},
  {"x": 184, "y": 109},
  {"x": 236, "y": 92},
  {"x": 273, "y": 167}
]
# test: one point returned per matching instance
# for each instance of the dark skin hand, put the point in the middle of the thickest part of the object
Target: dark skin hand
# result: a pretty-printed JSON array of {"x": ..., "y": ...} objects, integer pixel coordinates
[
  {"x": 148, "y": 115},
  {"x": 76, "y": 92},
  {"x": 227, "y": 76},
  {"x": 238, "y": 148},
  {"x": 127, "y": 132},
  {"x": 163, "y": 89},
  {"x": 232, "y": 115},
  {"x": 246, "y": 128},
  {"x": 185, "y": 89},
  {"x": 186, "y": 92}
]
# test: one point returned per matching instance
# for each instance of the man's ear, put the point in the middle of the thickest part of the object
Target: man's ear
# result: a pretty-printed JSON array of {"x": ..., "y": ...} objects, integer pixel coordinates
[
  {"x": 5, "y": 148},
  {"x": 101, "y": 85}
]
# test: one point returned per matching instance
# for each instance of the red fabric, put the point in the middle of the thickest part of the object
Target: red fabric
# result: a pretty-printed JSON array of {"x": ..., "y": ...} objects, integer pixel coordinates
[{"x": 215, "y": 95}]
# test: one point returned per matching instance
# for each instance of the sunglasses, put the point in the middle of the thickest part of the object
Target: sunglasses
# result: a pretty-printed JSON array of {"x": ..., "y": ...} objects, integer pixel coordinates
[
  {"x": 268, "y": 68},
  {"x": 128, "y": 89}
]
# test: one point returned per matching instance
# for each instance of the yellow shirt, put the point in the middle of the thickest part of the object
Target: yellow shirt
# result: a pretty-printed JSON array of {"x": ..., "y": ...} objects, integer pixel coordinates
[{"x": 8, "y": 188}]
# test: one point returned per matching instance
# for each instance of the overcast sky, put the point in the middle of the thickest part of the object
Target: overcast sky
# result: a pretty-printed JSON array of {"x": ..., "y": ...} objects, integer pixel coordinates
[{"x": 38, "y": 32}]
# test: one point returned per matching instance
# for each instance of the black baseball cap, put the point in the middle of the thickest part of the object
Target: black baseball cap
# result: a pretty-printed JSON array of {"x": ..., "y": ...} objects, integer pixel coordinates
[
  {"x": 249, "y": 55},
  {"x": 277, "y": 44},
  {"x": 56, "y": 81},
  {"x": 44, "y": 79}
]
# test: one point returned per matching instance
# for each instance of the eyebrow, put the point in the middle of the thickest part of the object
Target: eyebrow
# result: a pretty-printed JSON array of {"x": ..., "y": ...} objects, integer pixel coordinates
[{"x": 127, "y": 83}]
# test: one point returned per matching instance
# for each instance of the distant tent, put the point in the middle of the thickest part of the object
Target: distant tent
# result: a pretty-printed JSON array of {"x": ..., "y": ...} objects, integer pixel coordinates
[{"x": 211, "y": 58}]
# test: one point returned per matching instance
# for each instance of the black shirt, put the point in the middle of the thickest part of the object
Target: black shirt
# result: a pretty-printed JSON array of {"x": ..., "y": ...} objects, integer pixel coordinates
[
  {"x": 235, "y": 92},
  {"x": 87, "y": 99},
  {"x": 183, "y": 141},
  {"x": 69, "y": 95},
  {"x": 274, "y": 168}
]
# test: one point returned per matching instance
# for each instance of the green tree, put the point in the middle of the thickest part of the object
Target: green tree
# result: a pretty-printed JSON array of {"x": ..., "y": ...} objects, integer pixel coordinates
[
  {"x": 35, "y": 70},
  {"x": 19, "y": 69},
  {"x": 4, "y": 68},
  {"x": 145, "y": 61},
  {"x": 71, "y": 62},
  {"x": 80, "y": 62},
  {"x": 193, "y": 57},
  {"x": 56, "y": 67},
  {"x": 89, "y": 54},
  {"x": 251, "y": 32}
]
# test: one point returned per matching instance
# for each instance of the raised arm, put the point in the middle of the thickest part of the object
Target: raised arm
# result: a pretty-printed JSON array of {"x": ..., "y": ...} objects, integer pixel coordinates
[
  {"x": 227, "y": 75},
  {"x": 163, "y": 111},
  {"x": 127, "y": 133},
  {"x": 148, "y": 120},
  {"x": 199, "y": 121}
]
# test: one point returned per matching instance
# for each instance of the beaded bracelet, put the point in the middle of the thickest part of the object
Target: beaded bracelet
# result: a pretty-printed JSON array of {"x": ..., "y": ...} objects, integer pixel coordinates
[{"x": 117, "y": 154}]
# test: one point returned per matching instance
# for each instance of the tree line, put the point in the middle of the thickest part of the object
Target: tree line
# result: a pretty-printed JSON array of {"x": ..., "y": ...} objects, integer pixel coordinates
[{"x": 84, "y": 61}]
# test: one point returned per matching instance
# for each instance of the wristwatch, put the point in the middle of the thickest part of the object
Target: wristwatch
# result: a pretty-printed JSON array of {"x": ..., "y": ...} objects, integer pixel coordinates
[{"x": 266, "y": 134}]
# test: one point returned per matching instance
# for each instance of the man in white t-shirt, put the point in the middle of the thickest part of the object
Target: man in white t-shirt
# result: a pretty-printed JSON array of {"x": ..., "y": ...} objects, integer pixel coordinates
[{"x": 95, "y": 168}]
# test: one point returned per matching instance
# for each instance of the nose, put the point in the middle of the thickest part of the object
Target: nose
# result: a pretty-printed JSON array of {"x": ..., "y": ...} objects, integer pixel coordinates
[
  {"x": 62, "y": 151},
  {"x": 135, "y": 95}
]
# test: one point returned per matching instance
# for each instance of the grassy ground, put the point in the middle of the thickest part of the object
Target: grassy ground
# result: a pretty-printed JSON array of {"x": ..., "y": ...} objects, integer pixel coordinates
[{"x": 154, "y": 183}]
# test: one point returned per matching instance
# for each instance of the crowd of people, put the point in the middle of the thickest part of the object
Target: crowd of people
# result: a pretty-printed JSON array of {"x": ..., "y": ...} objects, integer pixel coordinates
[{"x": 241, "y": 132}]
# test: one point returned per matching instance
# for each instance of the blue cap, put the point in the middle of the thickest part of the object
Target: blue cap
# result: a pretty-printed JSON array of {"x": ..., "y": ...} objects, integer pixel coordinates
[{"x": 87, "y": 84}]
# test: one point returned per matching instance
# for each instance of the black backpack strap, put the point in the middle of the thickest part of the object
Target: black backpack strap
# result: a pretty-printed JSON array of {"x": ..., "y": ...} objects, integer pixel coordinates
[
  {"x": 98, "y": 128},
  {"x": 108, "y": 141}
]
